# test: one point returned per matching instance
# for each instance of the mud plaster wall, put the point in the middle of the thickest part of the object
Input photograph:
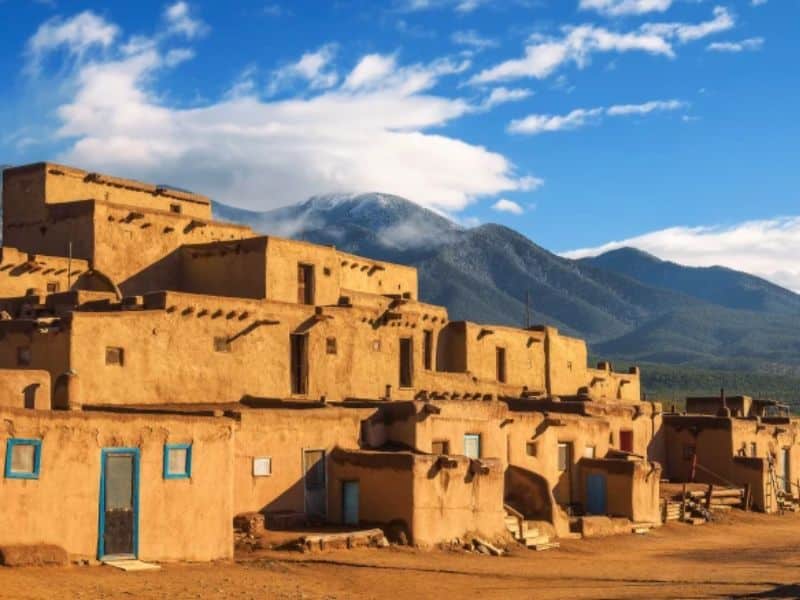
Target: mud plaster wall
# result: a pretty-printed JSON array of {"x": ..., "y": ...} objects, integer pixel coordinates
[
  {"x": 632, "y": 488},
  {"x": 18, "y": 274},
  {"x": 236, "y": 268},
  {"x": 566, "y": 361},
  {"x": 376, "y": 277},
  {"x": 283, "y": 435},
  {"x": 52, "y": 230},
  {"x": 48, "y": 351},
  {"x": 180, "y": 519},
  {"x": 711, "y": 438},
  {"x": 524, "y": 352},
  {"x": 24, "y": 389}
]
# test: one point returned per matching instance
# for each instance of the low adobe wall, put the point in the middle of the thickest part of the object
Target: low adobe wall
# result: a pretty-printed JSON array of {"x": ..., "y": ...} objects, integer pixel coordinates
[
  {"x": 21, "y": 388},
  {"x": 632, "y": 487},
  {"x": 179, "y": 519},
  {"x": 437, "y": 503}
]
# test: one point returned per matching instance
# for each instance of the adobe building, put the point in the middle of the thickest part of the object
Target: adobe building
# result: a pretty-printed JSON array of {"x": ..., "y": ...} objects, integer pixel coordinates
[
  {"x": 159, "y": 368},
  {"x": 736, "y": 441}
]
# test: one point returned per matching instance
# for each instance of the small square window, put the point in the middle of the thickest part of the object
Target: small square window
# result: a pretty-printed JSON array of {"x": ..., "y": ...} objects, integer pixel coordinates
[
  {"x": 177, "y": 461},
  {"x": 23, "y": 458},
  {"x": 753, "y": 449},
  {"x": 589, "y": 452},
  {"x": 262, "y": 466},
  {"x": 52, "y": 287},
  {"x": 330, "y": 345},
  {"x": 222, "y": 344},
  {"x": 23, "y": 356},
  {"x": 114, "y": 355},
  {"x": 531, "y": 448},
  {"x": 440, "y": 447},
  {"x": 175, "y": 208}
]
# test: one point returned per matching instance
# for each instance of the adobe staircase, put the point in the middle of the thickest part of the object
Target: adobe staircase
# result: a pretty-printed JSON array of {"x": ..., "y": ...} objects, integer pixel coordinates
[{"x": 526, "y": 532}]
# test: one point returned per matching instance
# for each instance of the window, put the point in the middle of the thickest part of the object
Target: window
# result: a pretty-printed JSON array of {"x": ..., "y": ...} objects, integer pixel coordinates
[
  {"x": 23, "y": 356},
  {"x": 23, "y": 458},
  {"x": 626, "y": 440},
  {"x": 330, "y": 345},
  {"x": 589, "y": 452},
  {"x": 222, "y": 344},
  {"x": 688, "y": 451},
  {"x": 175, "y": 208},
  {"x": 501, "y": 365},
  {"x": 564, "y": 456},
  {"x": 262, "y": 466},
  {"x": 52, "y": 287},
  {"x": 753, "y": 449},
  {"x": 177, "y": 461},
  {"x": 305, "y": 284},
  {"x": 427, "y": 350},
  {"x": 531, "y": 448},
  {"x": 114, "y": 355},
  {"x": 406, "y": 363},
  {"x": 472, "y": 445},
  {"x": 440, "y": 447}
]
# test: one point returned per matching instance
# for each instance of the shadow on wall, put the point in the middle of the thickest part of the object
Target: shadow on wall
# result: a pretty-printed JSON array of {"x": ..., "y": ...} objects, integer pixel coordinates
[{"x": 529, "y": 494}]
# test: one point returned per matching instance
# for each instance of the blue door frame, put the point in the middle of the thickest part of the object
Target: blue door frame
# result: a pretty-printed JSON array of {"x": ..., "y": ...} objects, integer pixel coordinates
[
  {"x": 101, "y": 526},
  {"x": 596, "y": 503}
]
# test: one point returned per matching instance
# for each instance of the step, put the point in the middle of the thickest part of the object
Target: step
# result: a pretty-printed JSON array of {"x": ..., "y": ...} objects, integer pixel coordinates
[
  {"x": 535, "y": 541},
  {"x": 530, "y": 534}
]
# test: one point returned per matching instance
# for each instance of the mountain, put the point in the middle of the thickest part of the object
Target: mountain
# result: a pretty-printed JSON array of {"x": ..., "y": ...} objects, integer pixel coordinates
[
  {"x": 627, "y": 304},
  {"x": 717, "y": 285}
]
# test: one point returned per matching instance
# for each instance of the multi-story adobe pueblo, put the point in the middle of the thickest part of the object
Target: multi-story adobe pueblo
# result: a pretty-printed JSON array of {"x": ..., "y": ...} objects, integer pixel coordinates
[{"x": 159, "y": 370}]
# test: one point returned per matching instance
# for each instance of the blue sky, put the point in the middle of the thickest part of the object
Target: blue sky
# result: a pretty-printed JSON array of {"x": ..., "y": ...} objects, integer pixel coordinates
[{"x": 585, "y": 124}]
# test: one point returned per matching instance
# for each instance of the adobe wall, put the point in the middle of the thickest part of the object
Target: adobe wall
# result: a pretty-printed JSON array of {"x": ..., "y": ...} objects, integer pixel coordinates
[
  {"x": 179, "y": 519},
  {"x": 632, "y": 488},
  {"x": 237, "y": 268},
  {"x": 27, "y": 188},
  {"x": 603, "y": 382},
  {"x": 21, "y": 272},
  {"x": 27, "y": 388},
  {"x": 566, "y": 363},
  {"x": 524, "y": 351},
  {"x": 283, "y": 258},
  {"x": 376, "y": 277},
  {"x": 283, "y": 435},
  {"x": 437, "y": 504},
  {"x": 51, "y": 230},
  {"x": 49, "y": 347}
]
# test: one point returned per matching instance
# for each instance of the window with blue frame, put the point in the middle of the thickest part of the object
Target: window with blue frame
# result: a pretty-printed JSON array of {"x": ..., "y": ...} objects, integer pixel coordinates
[
  {"x": 23, "y": 458},
  {"x": 177, "y": 461}
]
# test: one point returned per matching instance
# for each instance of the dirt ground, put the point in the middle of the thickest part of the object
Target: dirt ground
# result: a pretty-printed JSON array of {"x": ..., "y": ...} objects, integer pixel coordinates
[{"x": 746, "y": 556}]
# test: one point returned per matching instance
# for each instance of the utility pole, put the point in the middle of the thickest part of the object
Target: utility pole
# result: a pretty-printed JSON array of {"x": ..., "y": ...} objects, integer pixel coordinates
[
  {"x": 527, "y": 309},
  {"x": 69, "y": 266}
]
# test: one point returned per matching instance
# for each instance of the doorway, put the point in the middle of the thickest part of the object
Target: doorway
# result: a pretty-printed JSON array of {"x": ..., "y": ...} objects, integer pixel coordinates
[
  {"x": 406, "y": 362},
  {"x": 314, "y": 482},
  {"x": 787, "y": 476},
  {"x": 596, "y": 494},
  {"x": 305, "y": 284},
  {"x": 626, "y": 440},
  {"x": 119, "y": 503},
  {"x": 299, "y": 363},
  {"x": 350, "y": 499}
]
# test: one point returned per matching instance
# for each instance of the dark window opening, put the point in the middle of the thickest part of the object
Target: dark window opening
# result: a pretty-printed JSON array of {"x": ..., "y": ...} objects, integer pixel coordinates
[
  {"x": 427, "y": 350},
  {"x": 753, "y": 449},
  {"x": 406, "y": 364},
  {"x": 501, "y": 365},
  {"x": 175, "y": 208},
  {"x": 330, "y": 345},
  {"x": 299, "y": 363},
  {"x": 52, "y": 287},
  {"x": 531, "y": 448},
  {"x": 440, "y": 447},
  {"x": 23, "y": 356},
  {"x": 626, "y": 441},
  {"x": 115, "y": 356},
  {"x": 564, "y": 456},
  {"x": 305, "y": 284}
]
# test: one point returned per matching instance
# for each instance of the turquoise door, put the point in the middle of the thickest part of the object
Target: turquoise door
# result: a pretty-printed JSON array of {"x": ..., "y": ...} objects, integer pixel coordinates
[
  {"x": 119, "y": 503},
  {"x": 350, "y": 493},
  {"x": 596, "y": 494}
]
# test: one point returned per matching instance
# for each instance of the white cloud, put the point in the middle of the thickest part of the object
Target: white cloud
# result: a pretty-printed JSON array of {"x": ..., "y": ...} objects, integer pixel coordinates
[
  {"x": 313, "y": 68},
  {"x": 180, "y": 21},
  {"x": 461, "y": 6},
  {"x": 76, "y": 35},
  {"x": 617, "y": 8},
  {"x": 502, "y": 95},
  {"x": 252, "y": 152},
  {"x": 472, "y": 38},
  {"x": 539, "y": 123},
  {"x": 757, "y": 2},
  {"x": 576, "y": 45},
  {"x": 508, "y": 206},
  {"x": 767, "y": 248},
  {"x": 748, "y": 44},
  {"x": 370, "y": 69}
]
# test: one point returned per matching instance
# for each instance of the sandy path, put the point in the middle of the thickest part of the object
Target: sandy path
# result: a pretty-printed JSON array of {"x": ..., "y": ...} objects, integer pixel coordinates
[{"x": 748, "y": 556}]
